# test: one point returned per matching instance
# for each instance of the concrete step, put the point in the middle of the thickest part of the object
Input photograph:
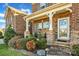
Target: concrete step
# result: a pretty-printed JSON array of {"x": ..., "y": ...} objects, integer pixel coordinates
[{"x": 59, "y": 51}]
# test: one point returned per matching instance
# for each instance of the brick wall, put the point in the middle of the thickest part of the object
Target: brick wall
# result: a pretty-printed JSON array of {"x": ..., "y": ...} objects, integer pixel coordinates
[
  {"x": 20, "y": 24},
  {"x": 17, "y": 22},
  {"x": 8, "y": 17},
  {"x": 36, "y": 6},
  {"x": 75, "y": 23}
]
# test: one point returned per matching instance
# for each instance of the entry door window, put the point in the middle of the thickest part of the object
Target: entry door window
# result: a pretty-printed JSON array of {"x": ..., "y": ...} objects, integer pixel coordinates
[{"x": 63, "y": 28}]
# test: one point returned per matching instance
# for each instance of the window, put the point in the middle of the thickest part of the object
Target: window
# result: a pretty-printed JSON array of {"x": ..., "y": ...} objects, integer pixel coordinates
[
  {"x": 39, "y": 26},
  {"x": 63, "y": 28},
  {"x": 46, "y": 24},
  {"x": 43, "y": 5}
]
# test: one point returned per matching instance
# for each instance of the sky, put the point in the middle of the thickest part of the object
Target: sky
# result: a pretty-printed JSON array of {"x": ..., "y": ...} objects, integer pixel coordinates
[{"x": 25, "y": 7}]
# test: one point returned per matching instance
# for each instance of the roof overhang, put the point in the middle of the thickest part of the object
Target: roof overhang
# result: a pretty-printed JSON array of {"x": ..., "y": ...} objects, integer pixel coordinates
[
  {"x": 52, "y": 8},
  {"x": 15, "y": 11}
]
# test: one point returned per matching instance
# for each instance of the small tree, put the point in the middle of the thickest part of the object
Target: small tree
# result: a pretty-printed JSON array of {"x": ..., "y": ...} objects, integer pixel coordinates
[
  {"x": 1, "y": 35},
  {"x": 9, "y": 33}
]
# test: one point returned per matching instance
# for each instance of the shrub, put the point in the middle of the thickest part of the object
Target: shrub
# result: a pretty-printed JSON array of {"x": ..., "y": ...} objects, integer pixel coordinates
[
  {"x": 39, "y": 35},
  {"x": 30, "y": 37},
  {"x": 31, "y": 45},
  {"x": 41, "y": 43},
  {"x": 21, "y": 43},
  {"x": 75, "y": 50},
  {"x": 30, "y": 42},
  {"x": 9, "y": 33},
  {"x": 12, "y": 42},
  {"x": 1, "y": 36}
]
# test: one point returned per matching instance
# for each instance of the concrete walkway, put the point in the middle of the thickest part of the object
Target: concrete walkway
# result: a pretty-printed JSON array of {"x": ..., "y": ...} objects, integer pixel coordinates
[{"x": 1, "y": 41}]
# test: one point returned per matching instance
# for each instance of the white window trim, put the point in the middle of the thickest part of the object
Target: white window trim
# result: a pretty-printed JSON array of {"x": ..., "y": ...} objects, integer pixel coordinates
[{"x": 64, "y": 38}]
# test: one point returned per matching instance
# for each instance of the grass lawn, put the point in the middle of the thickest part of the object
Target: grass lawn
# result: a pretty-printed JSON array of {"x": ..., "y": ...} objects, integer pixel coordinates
[{"x": 4, "y": 51}]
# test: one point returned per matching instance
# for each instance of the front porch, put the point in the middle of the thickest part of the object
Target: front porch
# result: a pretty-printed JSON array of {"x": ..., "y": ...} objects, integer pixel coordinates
[{"x": 55, "y": 24}]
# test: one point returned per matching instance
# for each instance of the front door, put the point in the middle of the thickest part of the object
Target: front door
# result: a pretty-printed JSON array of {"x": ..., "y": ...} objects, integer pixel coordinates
[{"x": 63, "y": 28}]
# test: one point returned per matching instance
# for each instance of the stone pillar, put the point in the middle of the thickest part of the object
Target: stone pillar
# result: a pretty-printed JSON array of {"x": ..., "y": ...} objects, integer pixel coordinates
[{"x": 50, "y": 36}]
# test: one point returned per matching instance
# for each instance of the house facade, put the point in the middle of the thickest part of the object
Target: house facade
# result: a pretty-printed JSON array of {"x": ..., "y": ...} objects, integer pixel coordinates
[
  {"x": 59, "y": 21},
  {"x": 15, "y": 18}
]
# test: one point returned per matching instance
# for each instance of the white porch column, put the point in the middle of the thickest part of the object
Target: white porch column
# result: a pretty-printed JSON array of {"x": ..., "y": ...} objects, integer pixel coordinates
[
  {"x": 50, "y": 15},
  {"x": 27, "y": 25},
  {"x": 26, "y": 33},
  {"x": 50, "y": 34}
]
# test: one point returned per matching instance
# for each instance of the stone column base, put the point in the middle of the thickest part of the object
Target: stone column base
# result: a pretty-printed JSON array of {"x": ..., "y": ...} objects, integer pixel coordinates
[
  {"x": 26, "y": 33},
  {"x": 50, "y": 37}
]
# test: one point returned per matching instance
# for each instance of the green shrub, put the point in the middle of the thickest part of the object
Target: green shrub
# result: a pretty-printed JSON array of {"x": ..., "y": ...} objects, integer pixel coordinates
[
  {"x": 20, "y": 43},
  {"x": 30, "y": 37},
  {"x": 75, "y": 50},
  {"x": 41, "y": 43},
  {"x": 40, "y": 35},
  {"x": 9, "y": 33},
  {"x": 1, "y": 35}
]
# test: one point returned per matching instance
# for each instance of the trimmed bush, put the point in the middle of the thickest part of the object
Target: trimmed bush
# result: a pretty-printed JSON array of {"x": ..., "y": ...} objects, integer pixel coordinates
[
  {"x": 9, "y": 33},
  {"x": 21, "y": 43},
  {"x": 41, "y": 43},
  {"x": 75, "y": 50}
]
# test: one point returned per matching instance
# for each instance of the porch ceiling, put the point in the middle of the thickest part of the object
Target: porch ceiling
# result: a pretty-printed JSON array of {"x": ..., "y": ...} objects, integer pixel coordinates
[
  {"x": 54, "y": 8},
  {"x": 40, "y": 17}
]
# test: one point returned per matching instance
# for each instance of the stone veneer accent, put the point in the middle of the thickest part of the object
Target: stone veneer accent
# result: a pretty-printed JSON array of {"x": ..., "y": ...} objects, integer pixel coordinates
[{"x": 50, "y": 37}]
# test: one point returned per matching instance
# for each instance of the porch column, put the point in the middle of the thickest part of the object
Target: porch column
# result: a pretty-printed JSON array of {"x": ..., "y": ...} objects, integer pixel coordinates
[
  {"x": 26, "y": 33},
  {"x": 27, "y": 25},
  {"x": 50, "y": 36},
  {"x": 50, "y": 15}
]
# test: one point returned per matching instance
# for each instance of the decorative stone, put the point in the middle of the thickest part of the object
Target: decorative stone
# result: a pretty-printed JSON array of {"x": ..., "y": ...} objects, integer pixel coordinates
[{"x": 41, "y": 52}]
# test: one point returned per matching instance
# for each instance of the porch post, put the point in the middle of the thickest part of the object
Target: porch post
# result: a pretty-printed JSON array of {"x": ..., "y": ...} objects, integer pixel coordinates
[
  {"x": 50, "y": 15},
  {"x": 27, "y": 25},
  {"x": 26, "y": 33},
  {"x": 50, "y": 35}
]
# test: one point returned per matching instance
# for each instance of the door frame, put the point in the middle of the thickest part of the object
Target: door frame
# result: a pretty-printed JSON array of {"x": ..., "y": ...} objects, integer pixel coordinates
[{"x": 68, "y": 28}]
